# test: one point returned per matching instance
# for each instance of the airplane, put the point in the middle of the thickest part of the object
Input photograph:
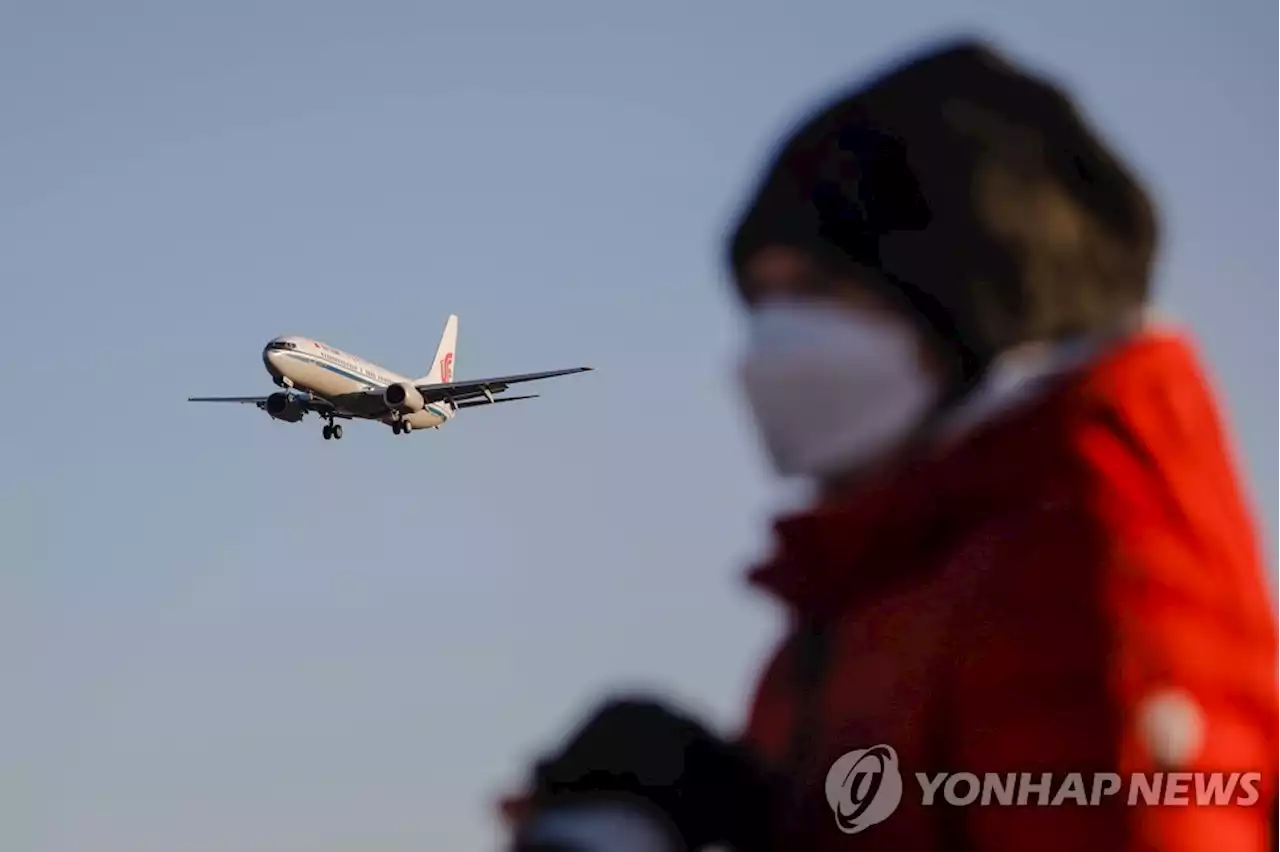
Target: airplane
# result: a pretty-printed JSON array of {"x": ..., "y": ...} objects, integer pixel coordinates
[{"x": 318, "y": 378}]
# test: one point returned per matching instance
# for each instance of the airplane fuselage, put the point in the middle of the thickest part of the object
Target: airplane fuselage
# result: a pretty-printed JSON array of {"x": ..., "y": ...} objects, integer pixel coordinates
[{"x": 342, "y": 378}]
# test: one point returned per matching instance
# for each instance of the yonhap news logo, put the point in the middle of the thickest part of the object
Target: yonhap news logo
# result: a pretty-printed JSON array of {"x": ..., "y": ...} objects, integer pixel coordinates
[{"x": 865, "y": 786}]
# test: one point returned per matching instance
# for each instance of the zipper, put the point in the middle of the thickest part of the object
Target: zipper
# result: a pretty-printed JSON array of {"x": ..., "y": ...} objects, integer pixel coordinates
[{"x": 811, "y": 656}]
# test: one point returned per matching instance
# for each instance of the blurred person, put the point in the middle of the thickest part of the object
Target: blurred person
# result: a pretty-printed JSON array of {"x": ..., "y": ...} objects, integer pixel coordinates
[{"x": 1028, "y": 550}]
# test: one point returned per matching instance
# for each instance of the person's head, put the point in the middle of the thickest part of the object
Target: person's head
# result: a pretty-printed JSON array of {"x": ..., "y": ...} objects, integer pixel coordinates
[{"x": 910, "y": 232}]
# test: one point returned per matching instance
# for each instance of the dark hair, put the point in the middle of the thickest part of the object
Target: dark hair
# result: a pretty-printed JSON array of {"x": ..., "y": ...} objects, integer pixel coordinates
[{"x": 976, "y": 191}]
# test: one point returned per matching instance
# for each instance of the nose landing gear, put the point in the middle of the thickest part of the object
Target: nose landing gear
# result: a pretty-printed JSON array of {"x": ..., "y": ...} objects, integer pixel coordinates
[{"x": 332, "y": 430}]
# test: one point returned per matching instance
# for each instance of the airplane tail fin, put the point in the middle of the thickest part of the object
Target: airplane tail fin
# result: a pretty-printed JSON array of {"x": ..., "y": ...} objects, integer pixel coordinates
[{"x": 443, "y": 366}]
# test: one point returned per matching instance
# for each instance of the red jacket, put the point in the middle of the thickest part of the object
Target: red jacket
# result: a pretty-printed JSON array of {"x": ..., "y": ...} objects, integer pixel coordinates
[{"x": 1016, "y": 604}]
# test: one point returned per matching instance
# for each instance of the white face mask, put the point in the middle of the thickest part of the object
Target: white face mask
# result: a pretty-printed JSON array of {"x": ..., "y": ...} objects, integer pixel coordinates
[{"x": 832, "y": 390}]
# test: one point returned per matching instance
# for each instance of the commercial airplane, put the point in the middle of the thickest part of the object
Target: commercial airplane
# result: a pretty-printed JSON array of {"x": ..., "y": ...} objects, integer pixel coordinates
[{"x": 338, "y": 386}]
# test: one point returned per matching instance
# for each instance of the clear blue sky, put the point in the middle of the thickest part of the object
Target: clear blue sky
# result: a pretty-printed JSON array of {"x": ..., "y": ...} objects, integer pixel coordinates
[{"x": 221, "y": 632}]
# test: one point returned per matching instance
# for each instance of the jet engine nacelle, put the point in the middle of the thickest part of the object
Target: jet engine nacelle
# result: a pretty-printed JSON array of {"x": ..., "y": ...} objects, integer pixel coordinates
[
  {"x": 403, "y": 397},
  {"x": 286, "y": 407}
]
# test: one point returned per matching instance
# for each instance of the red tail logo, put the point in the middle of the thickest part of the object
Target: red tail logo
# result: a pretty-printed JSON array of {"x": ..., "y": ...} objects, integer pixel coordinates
[{"x": 446, "y": 367}]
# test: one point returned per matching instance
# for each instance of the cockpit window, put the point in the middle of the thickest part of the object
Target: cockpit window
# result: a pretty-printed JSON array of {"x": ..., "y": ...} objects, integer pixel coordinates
[{"x": 282, "y": 344}]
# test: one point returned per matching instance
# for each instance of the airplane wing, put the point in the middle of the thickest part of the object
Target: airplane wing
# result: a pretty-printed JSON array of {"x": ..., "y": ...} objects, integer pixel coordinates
[
  {"x": 473, "y": 403},
  {"x": 486, "y": 388},
  {"x": 256, "y": 400},
  {"x": 308, "y": 403}
]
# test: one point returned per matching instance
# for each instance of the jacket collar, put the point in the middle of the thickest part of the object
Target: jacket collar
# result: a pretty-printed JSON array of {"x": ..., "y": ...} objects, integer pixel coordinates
[{"x": 830, "y": 555}]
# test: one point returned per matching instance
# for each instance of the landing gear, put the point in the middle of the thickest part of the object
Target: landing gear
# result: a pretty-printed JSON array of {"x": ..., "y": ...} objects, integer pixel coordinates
[
  {"x": 401, "y": 427},
  {"x": 332, "y": 430}
]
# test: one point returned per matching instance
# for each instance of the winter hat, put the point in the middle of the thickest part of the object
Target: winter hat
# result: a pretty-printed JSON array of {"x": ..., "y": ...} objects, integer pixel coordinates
[{"x": 976, "y": 194}]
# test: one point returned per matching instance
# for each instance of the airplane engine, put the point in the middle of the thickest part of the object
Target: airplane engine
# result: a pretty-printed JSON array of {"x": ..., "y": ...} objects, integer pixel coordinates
[
  {"x": 286, "y": 407},
  {"x": 403, "y": 397}
]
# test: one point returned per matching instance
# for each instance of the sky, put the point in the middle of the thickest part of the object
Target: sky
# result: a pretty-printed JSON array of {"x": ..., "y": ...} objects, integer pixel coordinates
[{"x": 218, "y": 631}]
